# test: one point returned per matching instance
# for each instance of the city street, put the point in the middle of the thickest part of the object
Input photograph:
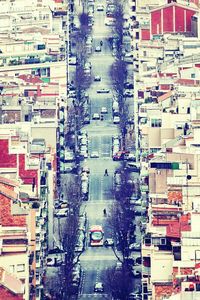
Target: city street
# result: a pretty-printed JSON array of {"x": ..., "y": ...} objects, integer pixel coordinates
[{"x": 96, "y": 260}]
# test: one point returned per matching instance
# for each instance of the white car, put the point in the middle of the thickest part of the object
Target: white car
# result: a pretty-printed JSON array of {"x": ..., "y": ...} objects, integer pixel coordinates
[
  {"x": 63, "y": 212},
  {"x": 72, "y": 61},
  {"x": 84, "y": 141},
  {"x": 97, "y": 49},
  {"x": 97, "y": 78},
  {"x": 116, "y": 120},
  {"x": 84, "y": 153},
  {"x": 104, "y": 110},
  {"x": 96, "y": 116},
  {"x": 100, "y": 7},
  {"x": 109, "y": 22},
  {"x": 98, "y": 287},
  {"x": 101, "y": 91},
  {"x": 94, "y": 154}
]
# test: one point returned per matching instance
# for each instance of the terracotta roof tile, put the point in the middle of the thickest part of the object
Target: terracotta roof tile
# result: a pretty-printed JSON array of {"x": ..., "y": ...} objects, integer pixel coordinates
[
  {"x": 165, "y": 96},
  {"x": 11, "y": 282},
  {"x": 8, "y": 181}
]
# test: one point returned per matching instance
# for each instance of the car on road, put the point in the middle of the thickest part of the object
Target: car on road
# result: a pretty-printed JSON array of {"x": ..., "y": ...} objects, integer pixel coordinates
[
  {"x": 94, "y": 154},
  {"x": 86, "y": 120},
  {"x": 116, "y": 120},
  {"x": 135, "y": 246},
  {"x": 131, "y": 157},
  {"x": 98, "y": 287},
  {"x": 109, "y": 242},
  {"x": 97, "y": 49},
  {"x": 72, "y": 61},
  {"x": 109, "y": 21},
  {"x": 84, "y": 153},
  {"x": 96, "y": 116},
  {"x": 120, "y": 155},
  {"x": 97, "y": 78},
  {"x": 63, "y": 212},
  {"x": 128, "y": 94},
  {"x": 104, "y": 110},
  {"x": 128, "y": 85},
  {"x": 100, "y": 7},
  {"x": 53, "y": 262},
  {"x": 133, "y": 167},
  {"x": 103, "y": 91},
  {"x": 135, "y": 296},
  {"x": 69, "y": 156}
]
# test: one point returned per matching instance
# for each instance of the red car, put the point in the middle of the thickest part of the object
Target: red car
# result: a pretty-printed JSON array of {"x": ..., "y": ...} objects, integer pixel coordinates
[{"x": 120, "y": 155}]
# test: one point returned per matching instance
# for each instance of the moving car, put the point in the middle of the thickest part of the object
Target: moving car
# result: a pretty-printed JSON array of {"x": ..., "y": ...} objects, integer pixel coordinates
[
  {"x": 104, "y": 110},
  {"x": 97, "y": 78},
  {"x": 94, "y": 154},
  {"x": 116, "y": 120},
  {"x": 103, "y": 91},
  {"x": 96, "y": 116},
  {"x": 98, "y": 287},
  {"x": 97, "y": 49},
  {"x": 100, "y": 7}
]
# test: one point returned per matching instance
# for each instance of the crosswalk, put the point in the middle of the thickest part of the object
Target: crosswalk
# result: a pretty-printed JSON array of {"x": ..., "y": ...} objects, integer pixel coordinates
[{"x": 94, "y": 296}]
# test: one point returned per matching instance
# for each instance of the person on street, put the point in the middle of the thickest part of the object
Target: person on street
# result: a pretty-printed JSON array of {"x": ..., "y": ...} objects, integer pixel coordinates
[
  {"x": 106, "y": 172},
  {"x": 104, "y": 212},
  {"x": 101, "y": 43}
]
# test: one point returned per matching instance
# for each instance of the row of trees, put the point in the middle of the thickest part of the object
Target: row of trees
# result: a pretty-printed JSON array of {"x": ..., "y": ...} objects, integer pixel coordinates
[
  {"x": 121, "y": 220},
  {"x": 118, "y": 71},
  {"x": 80, "y": 81}
]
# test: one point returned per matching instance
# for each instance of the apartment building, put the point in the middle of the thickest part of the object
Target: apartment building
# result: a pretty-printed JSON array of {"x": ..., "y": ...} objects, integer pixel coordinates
[{"x": 166, "y": 82}]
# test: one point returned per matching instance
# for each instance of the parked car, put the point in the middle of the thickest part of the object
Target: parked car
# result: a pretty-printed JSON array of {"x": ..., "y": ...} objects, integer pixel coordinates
[
  {"x": 128, "y": 85},
  {"x": 104, "y": 110},
  {"x": 54, "y": 261},
  {"x": 120, "y": 155},
  {"x": 116, "y": 120},
  {"x": 72, "y": 61},
  {"x": 96, "y": 116},
  {"x": 135, "y": 246},
  {"x": 109, "y": 242},
  {"x": 133, "y": 167},
  {"x": 63, "y": 212},
  {"x": 128, "y": 94},
  {"x": 86, "y": 120}
]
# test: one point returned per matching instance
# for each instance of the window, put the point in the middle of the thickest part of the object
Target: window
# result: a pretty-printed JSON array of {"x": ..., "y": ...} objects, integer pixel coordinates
[
  {"x": 156, "y": 123},
  {"x": 12, "y": 268},
  {"x": 20, "y": 267},
  {"x": 193, "y": 75}
]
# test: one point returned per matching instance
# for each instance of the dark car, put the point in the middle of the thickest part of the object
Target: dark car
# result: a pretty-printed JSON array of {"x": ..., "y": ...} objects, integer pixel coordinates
[{"x": 128, "y": 85}]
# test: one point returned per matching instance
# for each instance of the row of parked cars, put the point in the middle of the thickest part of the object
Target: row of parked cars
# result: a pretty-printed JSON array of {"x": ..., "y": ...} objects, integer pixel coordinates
[
  {"x": 81, "y": 237},
  {"x": 85, "y": 172}
]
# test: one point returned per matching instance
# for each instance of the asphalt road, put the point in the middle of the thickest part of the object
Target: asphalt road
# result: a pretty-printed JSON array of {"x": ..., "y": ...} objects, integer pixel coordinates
[{"x": 95, "y": 261}]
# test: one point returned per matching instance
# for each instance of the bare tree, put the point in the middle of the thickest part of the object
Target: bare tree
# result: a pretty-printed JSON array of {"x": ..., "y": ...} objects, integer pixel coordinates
[
  {"x": 69, "y": 234},
  {"x": 118, "y": 73},
  {"x": 119, "y": 282},
  {"x": 122, "y": 217},
  {"x": 118, "y": 28}
]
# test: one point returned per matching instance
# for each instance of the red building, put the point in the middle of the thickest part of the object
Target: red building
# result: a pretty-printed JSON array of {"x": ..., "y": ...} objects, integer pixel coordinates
[{"x": 171, "y": 18}]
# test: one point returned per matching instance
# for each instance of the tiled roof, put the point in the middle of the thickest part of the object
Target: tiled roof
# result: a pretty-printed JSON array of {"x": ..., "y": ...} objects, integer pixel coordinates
[
  {"x": 6, "y": 160},
  {"x": 9, "y": 181},
  {"x": 188, "y": 82},
  {"x": 6, "y": 217},
  {"x": 11, "y": 282},
  {"x": 165, "y": 96}
]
